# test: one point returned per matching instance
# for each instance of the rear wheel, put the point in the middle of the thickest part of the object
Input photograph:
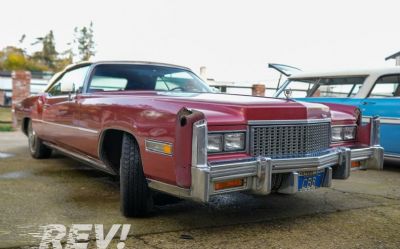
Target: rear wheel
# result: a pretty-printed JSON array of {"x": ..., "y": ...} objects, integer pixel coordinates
[
  {"x": 136, "y": 199},
  {"x": 36, "y": 147}
]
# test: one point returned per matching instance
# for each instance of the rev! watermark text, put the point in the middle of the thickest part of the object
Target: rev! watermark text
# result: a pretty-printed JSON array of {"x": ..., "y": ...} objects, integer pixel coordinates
[{"x": 78, "y": 236}]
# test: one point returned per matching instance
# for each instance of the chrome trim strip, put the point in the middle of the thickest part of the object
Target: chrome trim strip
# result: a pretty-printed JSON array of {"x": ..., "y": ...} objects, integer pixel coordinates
[
  {"x": 200, "y": 186},
  {"x": 366, "y": 119},
  {"x": 375, "y": 137},
  {"x": 66, "y": 126},
  {"x": 199, "y": 144},
  {"x": 232, "y": 170},
  {"x": 345, "y": 125},
  {"x": 390, "y": 120},
  {"x": 85, "y": 159},
  {"x": 290, "y": 164},
  {"x": 360, "y": 154},
  {"x": 168, "y": 188},
  {"x": 384, "y": 120},
  {"x": 391, "y": 155},
  {"x": 292, "y": 121}
]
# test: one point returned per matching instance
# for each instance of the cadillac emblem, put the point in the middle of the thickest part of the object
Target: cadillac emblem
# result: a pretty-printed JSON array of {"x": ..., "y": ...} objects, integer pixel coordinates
[{"x": 288, "y": 93}]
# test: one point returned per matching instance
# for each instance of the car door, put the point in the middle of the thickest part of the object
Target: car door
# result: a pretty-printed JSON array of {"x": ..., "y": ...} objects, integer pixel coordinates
[
  {"x": 384, "y": 101},
  {"x": 91, "y": 112},
  {"x": 61, "y": 110}
]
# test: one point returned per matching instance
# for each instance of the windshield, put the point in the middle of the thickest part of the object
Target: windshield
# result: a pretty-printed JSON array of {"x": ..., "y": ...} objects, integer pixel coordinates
[
  {"x": 284, "y": 69},
  {"x": 126, "y": 77},
  {"x": 299, "y": 87},
  {"x": 325, "y": 87}
]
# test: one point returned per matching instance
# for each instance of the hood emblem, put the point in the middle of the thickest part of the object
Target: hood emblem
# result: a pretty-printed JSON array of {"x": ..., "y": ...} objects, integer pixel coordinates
[{"x": 288, "y": 93}]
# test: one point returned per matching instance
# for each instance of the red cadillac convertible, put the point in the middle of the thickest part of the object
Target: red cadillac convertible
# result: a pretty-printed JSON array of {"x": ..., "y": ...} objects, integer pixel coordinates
[{"x": 160, "y": 127}]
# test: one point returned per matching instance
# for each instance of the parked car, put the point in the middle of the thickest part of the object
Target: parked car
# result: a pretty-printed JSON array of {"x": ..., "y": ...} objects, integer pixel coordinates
[
  {"x": 375, "y": 92},
  {"x": 160, "y": 127}
]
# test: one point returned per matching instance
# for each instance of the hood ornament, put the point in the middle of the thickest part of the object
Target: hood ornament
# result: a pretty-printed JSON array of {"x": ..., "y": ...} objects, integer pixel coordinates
[{"x": 288, "y": 93}]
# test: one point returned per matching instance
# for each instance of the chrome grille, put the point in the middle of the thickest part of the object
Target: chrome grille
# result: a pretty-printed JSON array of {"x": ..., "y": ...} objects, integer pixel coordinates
[{"x": 290, "y": 140}]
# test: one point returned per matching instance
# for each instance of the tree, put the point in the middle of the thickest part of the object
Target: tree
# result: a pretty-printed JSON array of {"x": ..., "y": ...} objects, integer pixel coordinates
[
  {"x": 47, "y": 58},
  {"x": 85, "y": 40},
  {"x": 48, "y": 55},
  {"x": 12, "y": 58}
]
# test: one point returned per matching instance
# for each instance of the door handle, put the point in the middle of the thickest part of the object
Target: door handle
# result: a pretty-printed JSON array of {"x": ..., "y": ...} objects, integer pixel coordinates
[{"x": 368, "y": 103}]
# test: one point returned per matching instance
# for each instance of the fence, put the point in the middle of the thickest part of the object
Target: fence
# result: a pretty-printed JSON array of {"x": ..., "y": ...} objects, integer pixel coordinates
[{"x": 255, "y": 89}]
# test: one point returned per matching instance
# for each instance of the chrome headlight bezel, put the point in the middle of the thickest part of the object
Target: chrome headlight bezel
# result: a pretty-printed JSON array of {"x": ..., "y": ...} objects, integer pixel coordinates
[
  {"x": 343, "y": 133},
  {"x": 231, "y": 141}
]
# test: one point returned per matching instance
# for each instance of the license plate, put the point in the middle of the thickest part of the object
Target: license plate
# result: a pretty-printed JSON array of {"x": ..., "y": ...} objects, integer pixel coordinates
[{"x": 310, "y": 180}]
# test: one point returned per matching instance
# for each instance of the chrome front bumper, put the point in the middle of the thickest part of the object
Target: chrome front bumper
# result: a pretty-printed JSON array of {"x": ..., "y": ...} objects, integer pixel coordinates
[
  {"x": 257, "y": 172},
  {"x": 260, "y": 174}
]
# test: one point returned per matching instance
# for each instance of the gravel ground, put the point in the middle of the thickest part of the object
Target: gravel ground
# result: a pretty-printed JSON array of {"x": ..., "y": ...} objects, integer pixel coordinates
[{"x": 361, "y": 212}]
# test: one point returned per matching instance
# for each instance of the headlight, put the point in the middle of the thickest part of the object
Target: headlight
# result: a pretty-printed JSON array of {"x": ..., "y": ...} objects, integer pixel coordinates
[
  {"x": 349, "y": 132},
  {"x": 234, "y": 141},
  {"x": 343, "y": 133},
  {"x": 228, "y": 142},
  {"x": 214, "y": 143},
  {"x": 337, "y": 134}
]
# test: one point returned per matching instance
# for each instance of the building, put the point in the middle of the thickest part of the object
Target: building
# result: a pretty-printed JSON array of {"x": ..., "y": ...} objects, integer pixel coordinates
[{"x": 38, "y": 83}]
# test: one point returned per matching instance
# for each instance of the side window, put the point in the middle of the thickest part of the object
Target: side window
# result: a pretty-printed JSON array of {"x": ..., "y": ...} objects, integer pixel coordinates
[
  {"x": 343, "y": 86},
  {"x": 386, "y": 86},
  {"x": 55, "y": 89},
  {"x": 74, "y": 77}
]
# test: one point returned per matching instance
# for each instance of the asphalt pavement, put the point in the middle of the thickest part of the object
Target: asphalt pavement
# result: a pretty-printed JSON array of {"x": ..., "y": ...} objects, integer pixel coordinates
[{"x": 361, "y": 212}]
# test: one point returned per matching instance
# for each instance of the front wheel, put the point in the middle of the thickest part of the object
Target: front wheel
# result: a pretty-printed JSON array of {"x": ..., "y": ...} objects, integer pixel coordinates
[
  {"x": 36, "y": 147},
  {"x": 136, "y": 199}
]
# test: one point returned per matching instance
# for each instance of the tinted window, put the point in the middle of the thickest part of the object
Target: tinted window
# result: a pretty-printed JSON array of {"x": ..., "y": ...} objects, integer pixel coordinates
[
  {"x": 386, "y": 86},
  {"x": 125, "y": 77}
]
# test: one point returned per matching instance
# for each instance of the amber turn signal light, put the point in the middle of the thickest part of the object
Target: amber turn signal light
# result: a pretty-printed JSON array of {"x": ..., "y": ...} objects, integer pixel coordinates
[
  {"x": 355, "y": 164},
  {"x": 228, "y": 184},
  {"x": 167, "y": 149}
]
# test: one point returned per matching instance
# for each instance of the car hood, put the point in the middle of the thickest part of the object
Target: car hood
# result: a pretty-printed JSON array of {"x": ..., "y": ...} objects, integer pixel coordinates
[{"x": 221, "y": 109}]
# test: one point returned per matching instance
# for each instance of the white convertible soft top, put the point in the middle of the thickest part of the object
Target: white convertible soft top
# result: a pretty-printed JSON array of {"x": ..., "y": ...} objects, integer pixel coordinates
[
  {"x": 360, "y": 72},
  {"x": 371, "y": 76}
]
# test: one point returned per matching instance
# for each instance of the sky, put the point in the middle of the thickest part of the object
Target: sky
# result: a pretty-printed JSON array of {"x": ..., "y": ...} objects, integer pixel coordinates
[{"x": 234, "y": 39}]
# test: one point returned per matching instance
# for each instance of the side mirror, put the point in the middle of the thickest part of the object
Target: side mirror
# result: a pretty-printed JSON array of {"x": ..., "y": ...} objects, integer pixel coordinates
[
  {"x": 215, "y": 90},
  {"x": 41, "y": 102},
  {"x": 67, "y": 87}
]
